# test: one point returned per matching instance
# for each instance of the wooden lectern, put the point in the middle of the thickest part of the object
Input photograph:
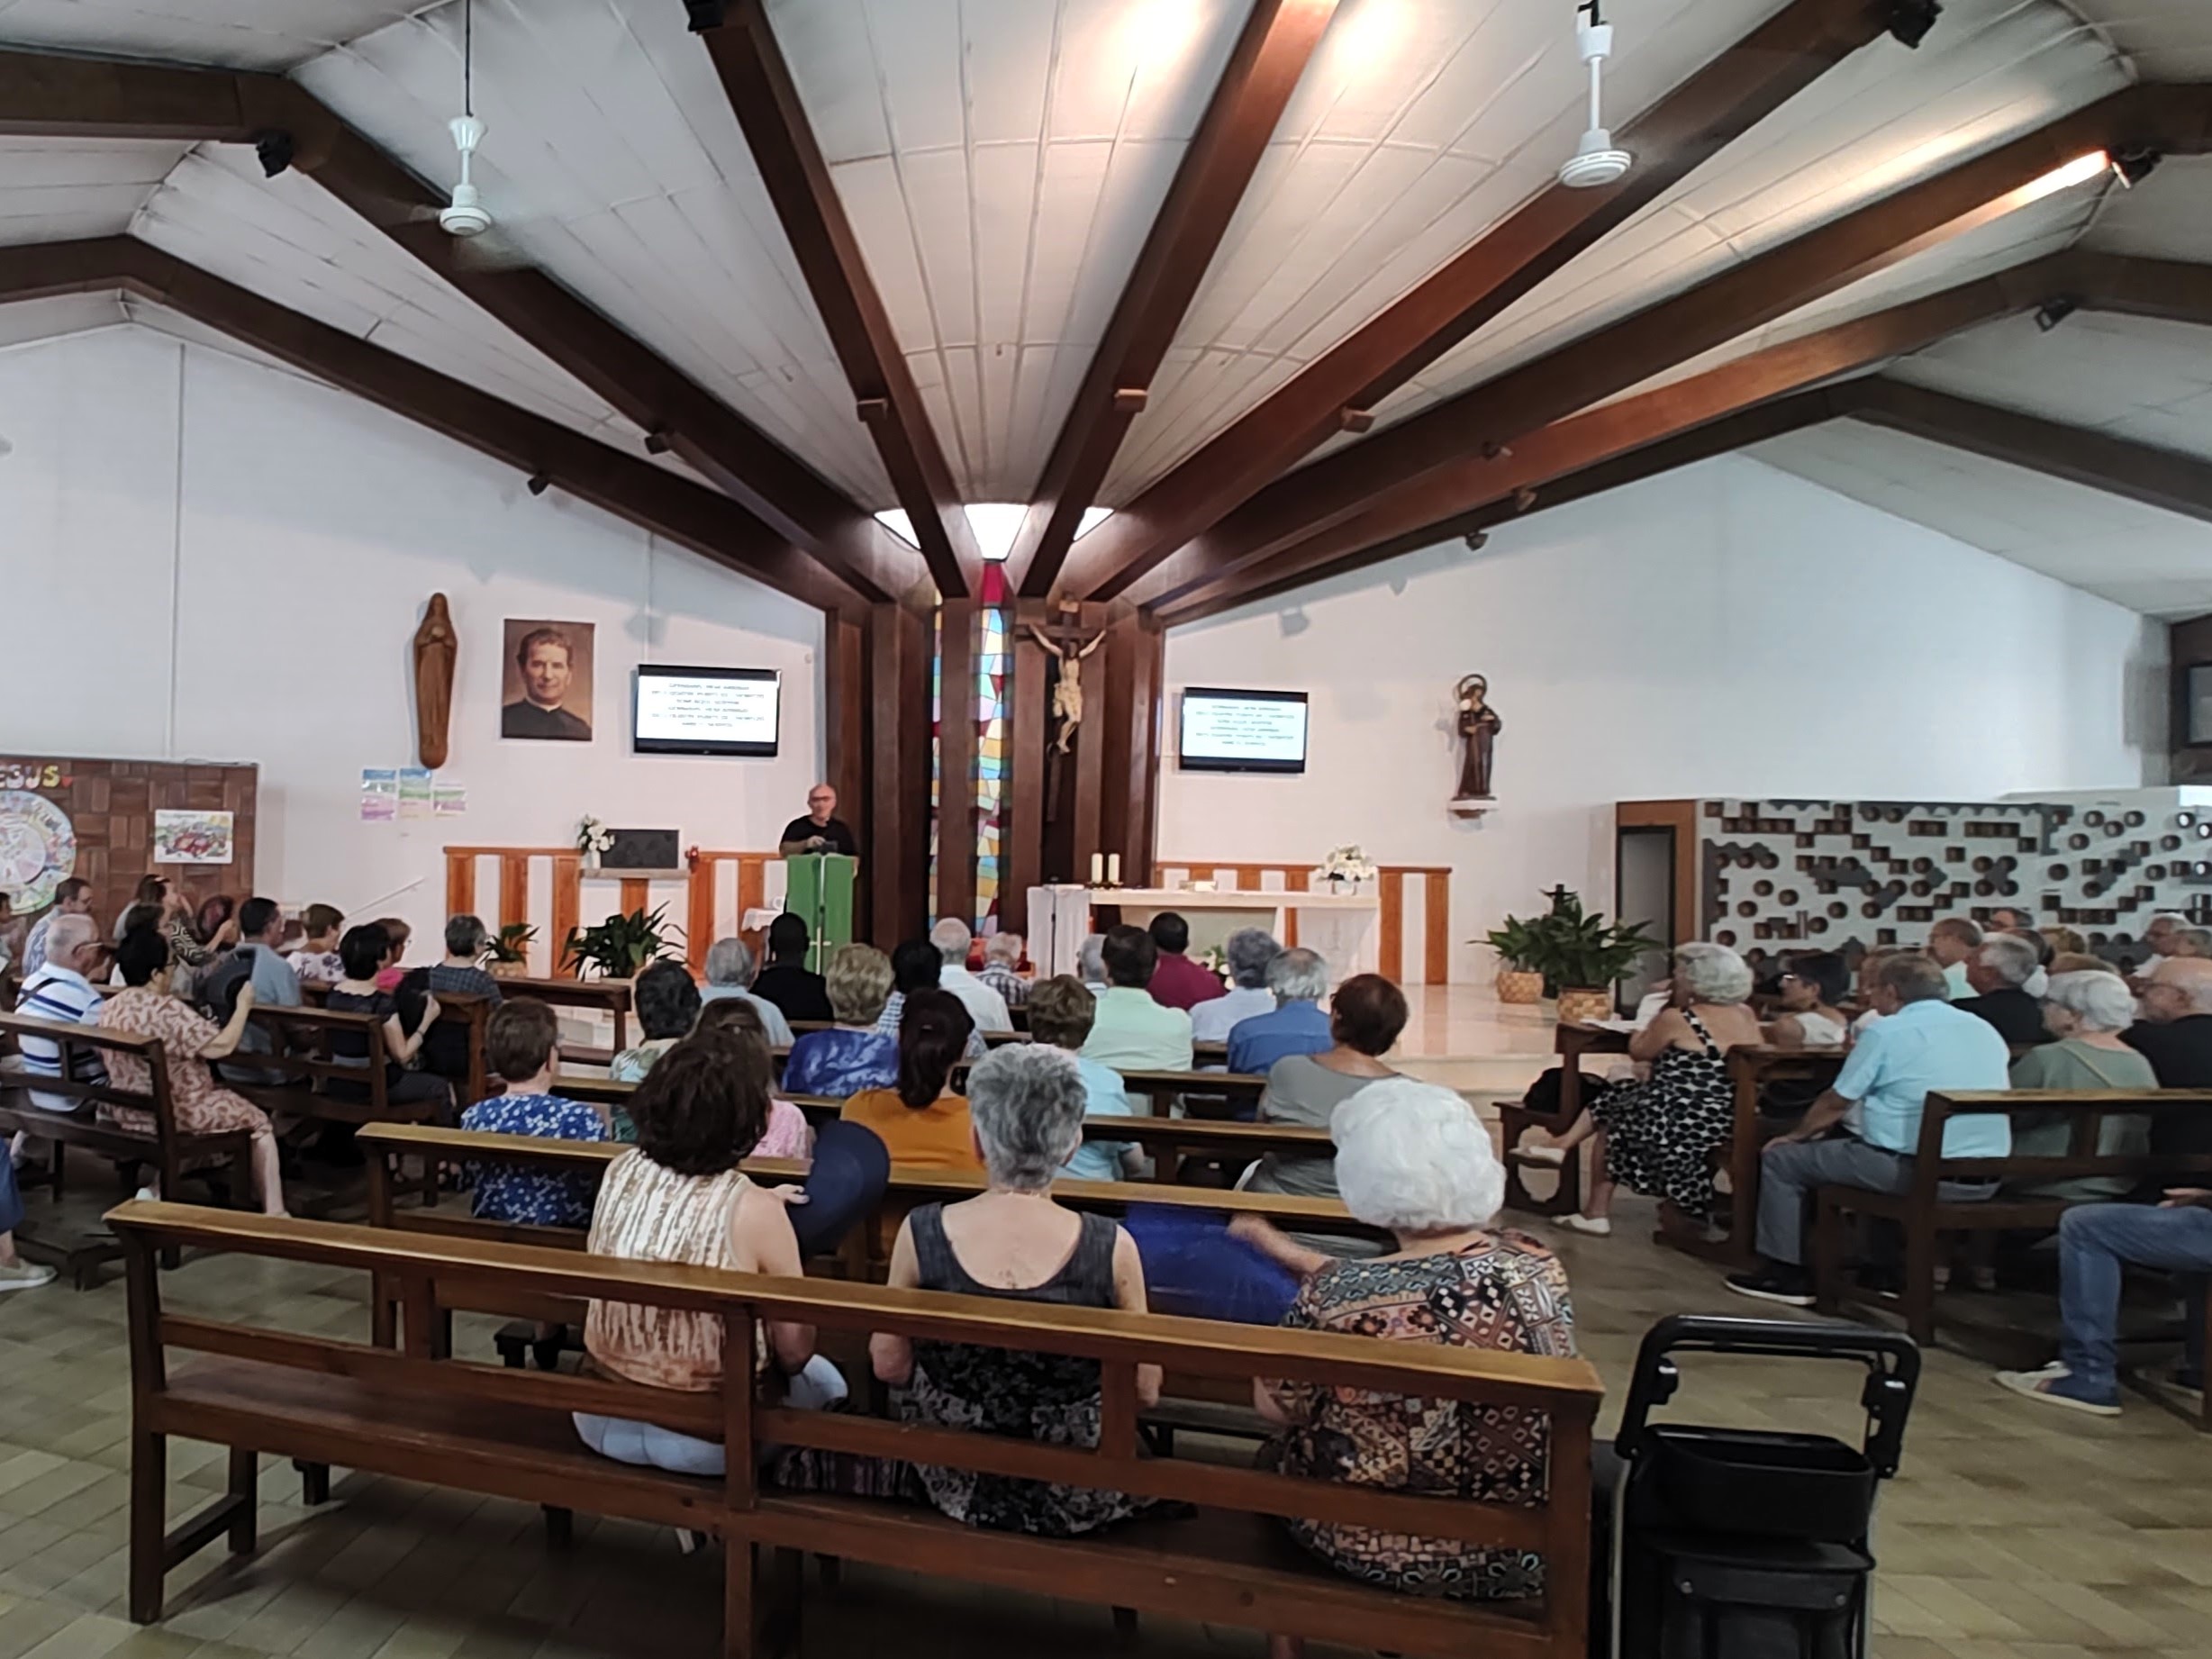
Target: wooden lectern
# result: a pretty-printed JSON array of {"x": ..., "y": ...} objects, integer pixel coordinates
[{"x": 818, "y": 887}]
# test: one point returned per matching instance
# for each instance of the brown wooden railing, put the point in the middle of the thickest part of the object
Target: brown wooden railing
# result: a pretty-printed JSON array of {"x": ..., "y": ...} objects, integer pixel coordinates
[
  {"x": 1435, "y": 953},
  {"x": 518, "y": 868}
]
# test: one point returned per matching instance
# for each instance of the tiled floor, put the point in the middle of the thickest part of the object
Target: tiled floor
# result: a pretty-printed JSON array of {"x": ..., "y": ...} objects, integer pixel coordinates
[{"x": 2013, "y": 1532}]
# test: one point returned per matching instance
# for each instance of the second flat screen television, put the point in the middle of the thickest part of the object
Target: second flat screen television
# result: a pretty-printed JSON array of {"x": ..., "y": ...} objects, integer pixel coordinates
[
  {"x": 1242, "y": 731},
  {"x": 705, "y": 711}
]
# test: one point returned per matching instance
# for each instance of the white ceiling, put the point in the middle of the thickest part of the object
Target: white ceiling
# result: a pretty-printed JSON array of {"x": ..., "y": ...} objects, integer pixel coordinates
[
  {"x": 2148, "y": 560},
  {"x": 1002, "y": 161}
]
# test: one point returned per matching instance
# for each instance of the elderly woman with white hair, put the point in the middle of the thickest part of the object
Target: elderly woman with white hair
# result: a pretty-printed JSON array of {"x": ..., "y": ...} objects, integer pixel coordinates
[
  {"x": 1659, "y": 1133},
  {"x": 2085, "y": 1013},
  {"x": 729, "y": 972},
  {"x": 1413, "y": 1157},
  {"x": 1247, "y": 953},
  {"x": 1012, "y": 1242}
]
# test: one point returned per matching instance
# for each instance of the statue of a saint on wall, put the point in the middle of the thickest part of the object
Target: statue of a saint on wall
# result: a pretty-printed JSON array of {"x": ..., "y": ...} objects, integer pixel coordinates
[
  {"x": 1479, "y": 726},
  {"x": 436, "y": 645}
]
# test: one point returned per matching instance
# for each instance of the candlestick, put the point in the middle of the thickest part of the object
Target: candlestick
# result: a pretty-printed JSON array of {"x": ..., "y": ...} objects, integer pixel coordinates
[
  {"x": 1113, "y": 869},
  {"x": 1098, "y": 869}
]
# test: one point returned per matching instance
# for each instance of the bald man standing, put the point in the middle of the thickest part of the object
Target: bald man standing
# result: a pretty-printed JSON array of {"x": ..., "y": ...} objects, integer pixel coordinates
[{"x": 821, "y": 830}]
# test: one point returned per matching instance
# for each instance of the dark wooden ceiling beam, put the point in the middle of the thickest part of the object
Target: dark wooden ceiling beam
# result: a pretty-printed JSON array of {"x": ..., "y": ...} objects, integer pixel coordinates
[
  {"x": 1421, "y": 507},
  {"x": 2168, "y": 478},
  {"x": 2170, "y": 290},
  {"x": 758, "y": 85},
  {"x": 1745, "y": 296},
  {"x": 630, "y": 488},
  {"x": 1278, "y": 42},
  {"x": 1687, "y": 128},
  {"x": 48, "y": 95},
  {"x": 1722, "y": 436}
]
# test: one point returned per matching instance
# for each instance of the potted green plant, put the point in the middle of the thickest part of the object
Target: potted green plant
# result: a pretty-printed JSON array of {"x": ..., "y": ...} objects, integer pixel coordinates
[
  {"x": 620, "y": 946},
  {"x": 1519, "y": 978},
  {"x": 507, "y": 952},
  {"x": 1578, "y": 954}
]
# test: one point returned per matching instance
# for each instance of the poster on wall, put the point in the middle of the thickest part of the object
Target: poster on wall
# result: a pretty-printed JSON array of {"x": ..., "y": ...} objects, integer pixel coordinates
[
  {"x": 193, "y": 838},
  {"x": 379, "y": 794},
  {"x": 414, "y": 791},
  {"x": 546, "y": 693},
  {"x": 38, "y": 849}
]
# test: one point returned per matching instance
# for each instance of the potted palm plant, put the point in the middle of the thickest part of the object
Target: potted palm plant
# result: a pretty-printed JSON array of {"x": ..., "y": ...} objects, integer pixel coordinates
[
  {"x": 620, "y": 946},
  {"x": 1577, "y": 954}
]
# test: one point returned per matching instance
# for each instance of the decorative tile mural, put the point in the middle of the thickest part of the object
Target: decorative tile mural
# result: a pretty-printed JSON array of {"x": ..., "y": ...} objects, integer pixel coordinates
[{"x": 1851, "y": 874}]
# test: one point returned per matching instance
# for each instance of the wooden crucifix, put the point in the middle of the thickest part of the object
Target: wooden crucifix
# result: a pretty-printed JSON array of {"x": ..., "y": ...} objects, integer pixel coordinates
[{"x": 1062, "y": 639}]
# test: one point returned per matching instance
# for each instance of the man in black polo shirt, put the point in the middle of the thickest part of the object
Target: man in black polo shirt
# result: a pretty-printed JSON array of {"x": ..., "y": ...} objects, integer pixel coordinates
[
  {"x": 2175, "y": 1036},
  {"x": 821, "y": 830}
]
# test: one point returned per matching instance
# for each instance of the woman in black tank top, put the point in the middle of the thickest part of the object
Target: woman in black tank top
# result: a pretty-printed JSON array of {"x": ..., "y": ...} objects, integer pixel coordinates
[{"x": 1013, "y": 1243}]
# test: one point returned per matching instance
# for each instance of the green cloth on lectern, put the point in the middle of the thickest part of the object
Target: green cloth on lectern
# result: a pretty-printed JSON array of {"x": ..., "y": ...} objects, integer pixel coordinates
[{"x": 817, "y": 888}]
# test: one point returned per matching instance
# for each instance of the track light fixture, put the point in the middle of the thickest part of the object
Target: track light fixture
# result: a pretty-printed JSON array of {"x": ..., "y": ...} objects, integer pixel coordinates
[
  {"x": 2055, "y": 310},
  {"x": 1910, "y": 20},
  {"x": 1476, "y": 540},
  {"x": 706, "y": 15},
  {"x": 657, "y": 442},
  {"x": 2132, "y": 167},
  {"x": 539, "y": 483},
  {"x": 275, "y": 149}
]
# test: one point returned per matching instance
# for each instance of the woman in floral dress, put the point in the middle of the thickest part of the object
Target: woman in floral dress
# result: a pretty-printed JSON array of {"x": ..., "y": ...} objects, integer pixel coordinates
[
  {"x": 145, "y": 1008},
  {"x": 1413, "y": 1157}
]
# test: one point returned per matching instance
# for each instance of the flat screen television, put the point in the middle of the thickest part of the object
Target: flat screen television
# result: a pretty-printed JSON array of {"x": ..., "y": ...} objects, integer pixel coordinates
[
  {"x": 705, "y": 711},
  {"x": 1242, "y": 731}
]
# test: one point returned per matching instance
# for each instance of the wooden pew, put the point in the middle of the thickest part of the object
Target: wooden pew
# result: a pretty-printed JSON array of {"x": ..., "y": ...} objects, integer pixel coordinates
[
  {"x": 1750, "y": 1069},
  {"x": 417, "y": 1413},
  {"x": 1571, "y": 1042},
  {"x": 169, "y": 1149},
  {"x": 1202, "y": 1054},
  {"x": 1926, "y": 1216},
  {"x": 605, "y": 996},
  {"x": 1169, "y": 1140},
  {"x": 301, "y": 1040}
]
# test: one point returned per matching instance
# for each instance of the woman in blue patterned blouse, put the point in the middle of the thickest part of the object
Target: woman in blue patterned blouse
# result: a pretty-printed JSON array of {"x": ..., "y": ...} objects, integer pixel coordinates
[
  {"x": 523, "y": 1046},
  {"x": 853, "y": 1056}
]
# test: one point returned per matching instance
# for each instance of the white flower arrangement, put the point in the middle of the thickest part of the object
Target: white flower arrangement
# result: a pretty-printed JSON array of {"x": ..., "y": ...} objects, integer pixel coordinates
[
  {"x": 592, "y": 837},
  {"x": 1348, "y": 864}
]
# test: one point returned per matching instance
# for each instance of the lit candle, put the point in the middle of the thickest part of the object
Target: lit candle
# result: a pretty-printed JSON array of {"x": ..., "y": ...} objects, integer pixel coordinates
[
  {"x": 1098, "y": 869},
  {"x": 1113, "y": 869}
]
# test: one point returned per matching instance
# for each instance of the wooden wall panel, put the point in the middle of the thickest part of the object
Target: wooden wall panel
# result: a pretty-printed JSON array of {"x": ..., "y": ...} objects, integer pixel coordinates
[
  {"x": 110, "y": 806},
  {"x": 567, "y": 909},
  {"x": 1391, "y": 887},
  {"x": 1024, "y": 844},
  {"x": 895, "y": 860},
  {"x": 1436, "y": 927}
]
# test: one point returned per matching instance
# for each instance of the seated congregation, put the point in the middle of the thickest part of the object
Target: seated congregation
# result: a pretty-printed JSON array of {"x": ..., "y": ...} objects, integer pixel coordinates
[{"x": 2050, "y": 1092}]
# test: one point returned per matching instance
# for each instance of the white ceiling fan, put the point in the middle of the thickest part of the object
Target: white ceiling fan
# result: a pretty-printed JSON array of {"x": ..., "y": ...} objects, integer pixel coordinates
[{"x": 465, "y": 215}]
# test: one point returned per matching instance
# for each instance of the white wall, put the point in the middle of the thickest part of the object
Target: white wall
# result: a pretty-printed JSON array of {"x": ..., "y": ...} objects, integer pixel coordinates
[
  {"x": 1726, "y": 629},
  {"x": 206, "y": 557}
]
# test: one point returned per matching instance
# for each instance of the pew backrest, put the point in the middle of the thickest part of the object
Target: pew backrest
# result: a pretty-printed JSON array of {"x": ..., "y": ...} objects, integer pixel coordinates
[{"x": 2086, "y": 1111}]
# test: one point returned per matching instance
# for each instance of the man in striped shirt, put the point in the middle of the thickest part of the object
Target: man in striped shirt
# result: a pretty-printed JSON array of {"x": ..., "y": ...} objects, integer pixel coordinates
[
  {"x": 61, "y": 993},
  {"x": 72, "y": 897}
]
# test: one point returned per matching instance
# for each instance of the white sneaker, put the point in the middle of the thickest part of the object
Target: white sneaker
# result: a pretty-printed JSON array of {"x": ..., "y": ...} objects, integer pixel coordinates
[
  {"x": 24, "y": 1277},
  {"x": 1597, "y": 1226},
  {"x": 1555, "y": 1157},
  {"x": 2034, "y": 1385}
]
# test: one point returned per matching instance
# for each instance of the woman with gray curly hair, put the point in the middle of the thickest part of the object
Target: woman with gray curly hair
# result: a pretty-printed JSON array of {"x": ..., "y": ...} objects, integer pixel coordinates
[
  {"x": 1659, "y": 1132},
  {"x": 1012, "y": 1242},
  {"x": 2085, "y": 1012}
]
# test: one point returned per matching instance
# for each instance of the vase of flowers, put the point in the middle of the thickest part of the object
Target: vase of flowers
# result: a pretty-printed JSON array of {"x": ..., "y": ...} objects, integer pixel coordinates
[
  {"x": 592, "y": 839},
  {"x": 1347, "y": 866}
]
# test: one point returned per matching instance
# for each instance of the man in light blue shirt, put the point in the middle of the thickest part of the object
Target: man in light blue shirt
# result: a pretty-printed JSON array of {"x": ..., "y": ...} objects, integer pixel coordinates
[
  {"x": 1130, "y": 1032},
  {"x": 1921, "y": 1046},
  {"x": 1297, "y": 1024}
]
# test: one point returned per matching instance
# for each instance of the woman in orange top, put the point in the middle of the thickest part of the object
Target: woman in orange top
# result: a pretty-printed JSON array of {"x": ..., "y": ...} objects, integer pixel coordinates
[{"x": 922, "y": 1123}]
